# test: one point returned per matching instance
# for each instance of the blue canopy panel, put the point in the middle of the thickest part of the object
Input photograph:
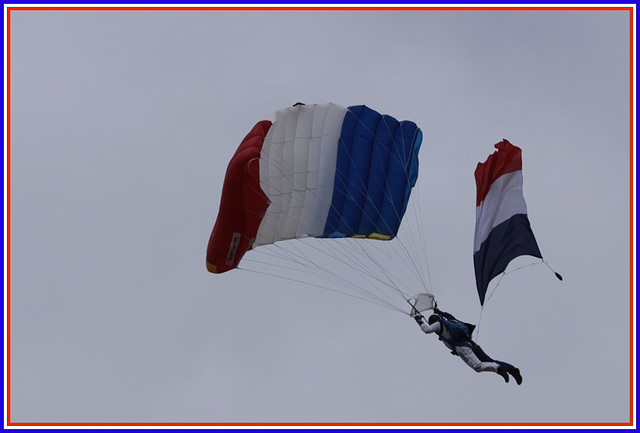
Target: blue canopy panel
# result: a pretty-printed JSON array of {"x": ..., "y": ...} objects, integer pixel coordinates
[{"x": 377, "y": 165}]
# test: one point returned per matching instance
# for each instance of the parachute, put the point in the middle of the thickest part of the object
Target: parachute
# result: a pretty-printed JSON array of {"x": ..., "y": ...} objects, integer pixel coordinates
[
  {"x": 315, "y": 171},
  {"x": 421, "y": 302},
  {"x": 503, "y": 231},
  {"x": 335, "y": 180}
]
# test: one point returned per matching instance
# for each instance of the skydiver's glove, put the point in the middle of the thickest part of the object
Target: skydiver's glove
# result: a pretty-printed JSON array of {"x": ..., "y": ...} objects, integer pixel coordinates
[
  {"x": 419, "y": 318},
  {"x": 436, "y": 310}
]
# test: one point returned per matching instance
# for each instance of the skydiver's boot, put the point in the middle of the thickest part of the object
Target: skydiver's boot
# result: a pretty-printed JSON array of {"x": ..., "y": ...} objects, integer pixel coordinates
[
  {"x": 502, "y": 371},
  {"x": 516, "y": 375}
]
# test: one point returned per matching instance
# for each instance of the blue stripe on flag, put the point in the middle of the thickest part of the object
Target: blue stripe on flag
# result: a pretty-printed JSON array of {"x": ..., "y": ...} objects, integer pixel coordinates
[{"x": 507, "y": 240}]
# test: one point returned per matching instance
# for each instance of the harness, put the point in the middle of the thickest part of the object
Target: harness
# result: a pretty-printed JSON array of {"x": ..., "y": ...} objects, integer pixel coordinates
[{"x": 460, "y": 331}]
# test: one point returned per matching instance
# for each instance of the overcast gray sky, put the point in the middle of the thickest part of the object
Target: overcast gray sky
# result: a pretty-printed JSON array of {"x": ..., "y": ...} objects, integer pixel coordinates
[{"x": 122, "y": 124}]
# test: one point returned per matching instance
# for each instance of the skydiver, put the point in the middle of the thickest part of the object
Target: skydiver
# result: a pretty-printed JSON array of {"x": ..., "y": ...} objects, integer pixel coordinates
[{"x": 456, "y": 335}]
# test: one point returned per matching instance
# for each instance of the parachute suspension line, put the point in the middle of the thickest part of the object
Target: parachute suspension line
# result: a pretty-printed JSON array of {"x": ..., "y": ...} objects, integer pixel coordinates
[
  {"x": 414, "y": 244},
  {"x": 369, "y": 281},
  {"x": 307, "y": 266},
  {"x": 418, "y": 215},
  {"x": 477, "y": 330},
  {"x": 504, "y": 273},
  {"x": 310, "y": 265},
  {"x": 356, "y": 263},
  {"x": 488, "y": 298},
  {"x": 379, "y": 268},
  {"x": 319, "y": 286}
]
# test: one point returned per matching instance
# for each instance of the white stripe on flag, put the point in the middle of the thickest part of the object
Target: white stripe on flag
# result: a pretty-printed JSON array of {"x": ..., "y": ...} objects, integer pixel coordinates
[{"x": 504, "y": 200}]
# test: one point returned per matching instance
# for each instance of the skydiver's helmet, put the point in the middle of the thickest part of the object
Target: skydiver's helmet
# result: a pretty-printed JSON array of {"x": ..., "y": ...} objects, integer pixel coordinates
[{"x": 433, "y": 319}]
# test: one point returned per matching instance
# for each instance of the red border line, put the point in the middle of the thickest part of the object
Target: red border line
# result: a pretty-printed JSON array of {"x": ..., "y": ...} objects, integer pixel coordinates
[
  {"x": 8, "y": 222},
  {"x": 631, "y": 215},
  {"x": 320, "y": 424}
]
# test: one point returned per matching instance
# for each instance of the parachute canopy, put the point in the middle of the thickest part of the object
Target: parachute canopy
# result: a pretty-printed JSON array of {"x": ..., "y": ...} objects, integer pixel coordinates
[
  {"x": 502, "y": 229},
  {"x": 317, "y": 170}
]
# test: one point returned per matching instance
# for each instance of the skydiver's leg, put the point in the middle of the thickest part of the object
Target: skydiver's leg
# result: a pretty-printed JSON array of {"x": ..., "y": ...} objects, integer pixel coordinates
[
  {"x": 468, "y": 355},
  {"x": 512, "y": 370},
  {"x": 482, "y": 356}
]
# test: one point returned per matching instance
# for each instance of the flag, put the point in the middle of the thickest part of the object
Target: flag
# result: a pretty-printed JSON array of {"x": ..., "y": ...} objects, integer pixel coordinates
[{"x": 503, "y": 231}]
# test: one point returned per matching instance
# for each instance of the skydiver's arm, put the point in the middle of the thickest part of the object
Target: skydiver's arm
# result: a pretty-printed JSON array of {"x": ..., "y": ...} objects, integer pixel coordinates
[
  {"x": 441, "y": 313},
  {"x": 447, "y": 315},
  {"x": 424, "y": 325},
  {"x": 428, "y": 329}
]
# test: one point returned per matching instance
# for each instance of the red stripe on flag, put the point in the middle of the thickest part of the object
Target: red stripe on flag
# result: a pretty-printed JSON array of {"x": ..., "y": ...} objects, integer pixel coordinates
[{"x": 507, "y": 159}]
